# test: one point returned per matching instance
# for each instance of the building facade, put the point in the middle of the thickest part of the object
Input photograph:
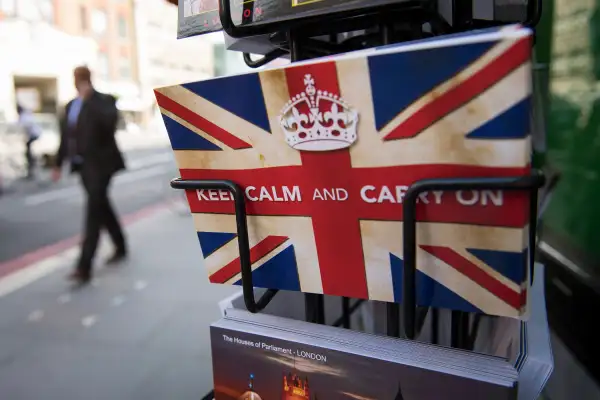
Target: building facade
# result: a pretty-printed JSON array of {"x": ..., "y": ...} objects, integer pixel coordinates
[
  {"x": 111, "y": 24},
  {"x": 106, "y": 25},
  {"x": 164, "y": 60},
  {"x": 38, "y": 72},
  {"x": 130, "y": 45}
]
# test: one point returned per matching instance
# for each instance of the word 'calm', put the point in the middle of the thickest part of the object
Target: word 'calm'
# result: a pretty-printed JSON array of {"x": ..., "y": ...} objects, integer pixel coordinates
[{"x": 369, "y": 194}]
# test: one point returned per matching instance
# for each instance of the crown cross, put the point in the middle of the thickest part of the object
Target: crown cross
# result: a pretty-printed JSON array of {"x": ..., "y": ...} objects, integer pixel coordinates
[{"x": 317, "y": 120}]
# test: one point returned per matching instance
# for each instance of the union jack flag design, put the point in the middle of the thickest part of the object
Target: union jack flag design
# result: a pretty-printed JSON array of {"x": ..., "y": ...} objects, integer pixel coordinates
[{"x": 326, "y": 149}]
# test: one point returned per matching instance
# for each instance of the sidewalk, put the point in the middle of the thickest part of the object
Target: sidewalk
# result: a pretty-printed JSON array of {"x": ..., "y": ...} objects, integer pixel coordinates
[{"x": 139, "y": 332}]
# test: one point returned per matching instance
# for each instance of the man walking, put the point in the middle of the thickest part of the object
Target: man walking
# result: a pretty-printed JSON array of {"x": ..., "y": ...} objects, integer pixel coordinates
[{"x": 88, "y": 143}]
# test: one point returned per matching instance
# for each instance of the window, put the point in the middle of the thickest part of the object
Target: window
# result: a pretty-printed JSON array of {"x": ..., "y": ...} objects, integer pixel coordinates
[
  {"x": 99, "y": 22},
  {"x": 122, "y": 27},
  {"x": 8, "y": 7},
  {"x": 125, "y": 69},
  {"x": 83, "y": 18},
  {"x": 103, "y": 65}
]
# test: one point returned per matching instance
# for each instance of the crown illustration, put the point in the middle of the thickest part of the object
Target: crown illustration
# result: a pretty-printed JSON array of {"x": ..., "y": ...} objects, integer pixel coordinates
[{"x": 316, "y": 120}]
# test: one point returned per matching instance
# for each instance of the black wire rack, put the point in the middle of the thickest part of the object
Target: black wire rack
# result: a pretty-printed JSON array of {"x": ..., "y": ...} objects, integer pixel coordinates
[{"x": 315, "y": 304}]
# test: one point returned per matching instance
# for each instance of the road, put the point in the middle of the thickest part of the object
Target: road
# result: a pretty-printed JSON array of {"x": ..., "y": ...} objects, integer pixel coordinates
[{"x": 36, "y": 215}]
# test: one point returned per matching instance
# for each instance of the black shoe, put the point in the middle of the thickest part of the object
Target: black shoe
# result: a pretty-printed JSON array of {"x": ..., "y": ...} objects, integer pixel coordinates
[
  {"x": 117, "y": 257},
  {"x": 79, "y": 277}
]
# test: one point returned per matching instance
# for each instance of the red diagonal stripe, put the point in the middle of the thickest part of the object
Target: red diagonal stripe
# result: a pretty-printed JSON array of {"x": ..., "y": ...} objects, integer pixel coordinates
[
  {"x": 463, "y": 92},
  {"x": 200, "y": 122},
  {"x": 476, "y": 274},
  {"x": 263, "y": 248}
]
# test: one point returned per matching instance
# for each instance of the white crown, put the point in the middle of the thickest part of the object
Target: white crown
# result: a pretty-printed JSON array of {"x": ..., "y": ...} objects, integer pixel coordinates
[{"x": 329, "y": 125}]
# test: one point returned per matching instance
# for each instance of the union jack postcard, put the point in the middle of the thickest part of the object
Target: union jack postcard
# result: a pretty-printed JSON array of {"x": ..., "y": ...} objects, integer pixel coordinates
[{"x": 326, "y": 149}]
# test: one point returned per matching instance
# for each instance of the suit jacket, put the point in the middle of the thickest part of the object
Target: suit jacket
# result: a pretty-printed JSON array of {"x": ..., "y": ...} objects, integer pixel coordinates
[{"x": 94, "y": 134}]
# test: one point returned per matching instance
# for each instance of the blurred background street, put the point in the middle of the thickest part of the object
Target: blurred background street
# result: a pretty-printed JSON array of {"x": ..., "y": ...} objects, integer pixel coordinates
[
  {"x": 140, "y": 331},
  {"x": 131, "y": 47}
]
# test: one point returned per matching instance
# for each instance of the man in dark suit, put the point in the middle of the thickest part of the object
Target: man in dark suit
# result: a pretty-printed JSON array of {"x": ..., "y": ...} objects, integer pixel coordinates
[{"x": 88, "y": 144}]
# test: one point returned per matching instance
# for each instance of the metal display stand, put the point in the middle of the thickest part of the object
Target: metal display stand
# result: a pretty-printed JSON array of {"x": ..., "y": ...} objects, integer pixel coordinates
[
  {"x": 406, "y": 319},
  {"x": 402, "y": 319}
]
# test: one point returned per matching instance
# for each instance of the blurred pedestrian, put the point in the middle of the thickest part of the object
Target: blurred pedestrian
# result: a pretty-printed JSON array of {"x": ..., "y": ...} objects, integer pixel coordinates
[
  {"x": 88, "y": 142},
  {"x": 32, "y": 133}
]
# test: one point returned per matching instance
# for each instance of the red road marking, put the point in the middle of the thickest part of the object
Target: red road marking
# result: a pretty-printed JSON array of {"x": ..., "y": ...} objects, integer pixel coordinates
[{"x": 10, "y": 266}]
